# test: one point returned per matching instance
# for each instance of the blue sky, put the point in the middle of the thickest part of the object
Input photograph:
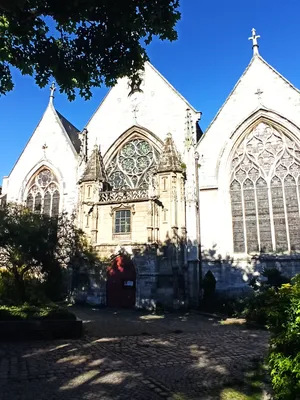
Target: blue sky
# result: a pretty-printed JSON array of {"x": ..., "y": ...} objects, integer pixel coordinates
[{"x": 204, "y": 64}]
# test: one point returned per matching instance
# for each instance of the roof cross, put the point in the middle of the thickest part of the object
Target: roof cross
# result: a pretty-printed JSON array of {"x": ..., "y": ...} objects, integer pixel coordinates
[
  {"x": 135, "y": 111},
  {"x": 52, "y": 90},
  {"x": 254, "y": 38},
  {"x": 44, "y": 147},
  {"x": 258, "y": 93}
]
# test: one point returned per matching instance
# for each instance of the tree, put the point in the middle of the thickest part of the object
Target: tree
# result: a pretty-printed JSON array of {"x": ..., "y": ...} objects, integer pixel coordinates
[
  {"x": 81, "y": 43},
  {"x": 34, "y": 244},
  {"x": 11, "y": 4}
]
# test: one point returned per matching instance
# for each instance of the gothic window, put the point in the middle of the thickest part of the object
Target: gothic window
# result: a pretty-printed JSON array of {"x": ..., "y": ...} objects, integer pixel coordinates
[
  {"x": 29, "y": 201},
  {"x": 122, "y": 221},
  {"x": 43, "y": 193},
  {"x": 133, "y": 165},
  {"x": 55, "y": 203},
  {"x": 165, "y": 214},
  {"x": 89, "y": 191},
  {"x": 47, "y": 203},
  {"x": 264, "y": 190},
  {"x": 164, "y": 183}
]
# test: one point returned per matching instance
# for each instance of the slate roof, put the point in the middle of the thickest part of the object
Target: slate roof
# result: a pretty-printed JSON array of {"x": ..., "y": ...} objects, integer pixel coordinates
[
  {"x": 94, "y": 171},
  {"x": 169, "y": 160},
  {"x": 71, "y": 131}
]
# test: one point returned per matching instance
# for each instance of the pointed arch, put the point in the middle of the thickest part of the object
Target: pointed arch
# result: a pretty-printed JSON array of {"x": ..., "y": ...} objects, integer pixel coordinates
[
  {"x": 264, "y": 174},
  {"x": 42, "y": 193},
  {"x": 33, "y": 171},
  {"x": 131, "y": 133},
  {"x": 131, "y": 160}
]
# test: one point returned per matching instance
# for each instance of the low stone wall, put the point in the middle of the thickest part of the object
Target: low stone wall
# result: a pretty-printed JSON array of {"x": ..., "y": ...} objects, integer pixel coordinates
[
  {"x": 235, "y": 275},
  {"x": 40, "y": 329}
]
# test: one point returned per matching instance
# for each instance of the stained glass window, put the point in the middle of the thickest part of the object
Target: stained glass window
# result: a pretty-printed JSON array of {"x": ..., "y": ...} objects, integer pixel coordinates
[
  {"x": 55, "y": 203},
  {"x": 133, "y": 165},
  {"x": 29, "y": 201},
  {"x": 122, "y": 221},
  {"x": 264, "y": 192},
  {"x": 43, "y": 194},
  {"x": 47, "y": 203}
]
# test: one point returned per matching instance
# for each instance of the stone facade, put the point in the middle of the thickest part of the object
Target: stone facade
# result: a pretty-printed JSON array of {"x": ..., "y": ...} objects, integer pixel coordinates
[
  {"x": 130, "y": 197},
  {"x": 140, "y": 195},
  {"x": 249, "y": 179}
]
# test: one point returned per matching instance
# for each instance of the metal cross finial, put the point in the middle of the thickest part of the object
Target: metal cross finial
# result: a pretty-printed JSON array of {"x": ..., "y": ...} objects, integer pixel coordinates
[
  {"x": 135, "y": 111},
  {"x": 44, "y": 147},
  {"x": 258, "y": 93},
  {"x": 254, "y": 38},
  {"x": 52, "y": 90}
]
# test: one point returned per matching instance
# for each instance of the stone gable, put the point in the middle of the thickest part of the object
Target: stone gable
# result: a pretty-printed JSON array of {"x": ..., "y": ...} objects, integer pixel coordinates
[{"x": 49, "y": 146}]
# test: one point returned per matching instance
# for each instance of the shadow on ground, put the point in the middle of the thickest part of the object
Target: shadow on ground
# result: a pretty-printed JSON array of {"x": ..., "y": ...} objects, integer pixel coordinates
[{"x": 179, "y": 357}]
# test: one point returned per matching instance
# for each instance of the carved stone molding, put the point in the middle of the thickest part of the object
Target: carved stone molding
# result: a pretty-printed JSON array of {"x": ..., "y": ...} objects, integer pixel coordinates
[
  {"x": 117, "y": 196},
  {"x": 122, "y": 206}
]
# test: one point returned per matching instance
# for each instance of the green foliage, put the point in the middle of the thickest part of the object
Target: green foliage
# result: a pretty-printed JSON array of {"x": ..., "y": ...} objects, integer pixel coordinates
[
  {"x": 258, "y": 306},
  {"x": 29, "y": 312},
  {"x": 82, "y": 43},
  {"x": 8, "y": 292},
  {"x": 284, "y": 357},
  {"x": 28, "y": 242},
  {"x": 222, "y": 303},
  {"x": 274, "y": 279},
  {"x": 35, "y": 253}
]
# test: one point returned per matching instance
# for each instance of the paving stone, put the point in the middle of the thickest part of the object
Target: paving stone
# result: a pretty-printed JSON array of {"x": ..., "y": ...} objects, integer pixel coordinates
[{"x": 132, "y": 366}]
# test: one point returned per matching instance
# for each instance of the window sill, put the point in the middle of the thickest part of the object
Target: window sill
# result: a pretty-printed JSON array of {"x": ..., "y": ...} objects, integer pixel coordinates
[{"x": 121, "y": 236}]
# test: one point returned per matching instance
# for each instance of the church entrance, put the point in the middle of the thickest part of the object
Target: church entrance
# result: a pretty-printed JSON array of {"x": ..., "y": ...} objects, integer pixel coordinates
[{"x": 121, "y": 283}]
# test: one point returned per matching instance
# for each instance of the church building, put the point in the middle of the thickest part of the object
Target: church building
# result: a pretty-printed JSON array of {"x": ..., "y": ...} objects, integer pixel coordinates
[{"x": 150, "y": 189}]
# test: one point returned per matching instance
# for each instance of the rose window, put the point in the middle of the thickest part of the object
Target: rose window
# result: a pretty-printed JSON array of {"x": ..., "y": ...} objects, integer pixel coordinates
[{"x": 133, "y": 165}]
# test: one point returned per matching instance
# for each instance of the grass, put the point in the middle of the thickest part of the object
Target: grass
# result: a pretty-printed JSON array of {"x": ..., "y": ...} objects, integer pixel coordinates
[
  {"x": 251, "y": 388},
  {"x": 27, "y": 312}
]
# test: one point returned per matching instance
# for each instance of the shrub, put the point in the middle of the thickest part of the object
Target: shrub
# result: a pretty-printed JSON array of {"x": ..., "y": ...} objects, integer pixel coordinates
[
  {"x": 257, "y": 307},
  {"x": 224, "y": 304},
  {"x": 8, "y": 292},
  {"x": 284, "y": 355},
  {"x": 29, "y": 312}
]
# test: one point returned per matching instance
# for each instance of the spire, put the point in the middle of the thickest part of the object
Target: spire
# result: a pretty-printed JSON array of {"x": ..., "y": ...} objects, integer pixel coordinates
[
  {"x": 83, "y": 152},
  {"x": 255, "y": 45},
  {"x": 52, "y": 90},
  {"x": 94, "y": 171},
  {"x": 189, "y": 131},
  {"x": 169, "y": 160}
]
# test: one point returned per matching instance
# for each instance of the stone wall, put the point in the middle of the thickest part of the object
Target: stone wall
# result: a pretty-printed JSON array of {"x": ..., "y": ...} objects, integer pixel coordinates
[
  {"x": 162, "y": 280},
  {"x": 234, "y": 276},
  {"x": 58, "y": 155}
]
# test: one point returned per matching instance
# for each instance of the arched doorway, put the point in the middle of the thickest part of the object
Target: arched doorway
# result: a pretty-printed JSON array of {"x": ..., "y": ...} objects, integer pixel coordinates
[{"x": 121, "y": 283}]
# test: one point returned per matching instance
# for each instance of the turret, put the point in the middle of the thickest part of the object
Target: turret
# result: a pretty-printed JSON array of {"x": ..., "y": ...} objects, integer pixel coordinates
[
  {"x": 170, "y": 177},
  {"x": 93, "y": 181}
]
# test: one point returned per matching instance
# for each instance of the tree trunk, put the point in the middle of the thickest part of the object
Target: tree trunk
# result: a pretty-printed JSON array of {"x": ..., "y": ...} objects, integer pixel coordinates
[{"x": 20, "y": 286}]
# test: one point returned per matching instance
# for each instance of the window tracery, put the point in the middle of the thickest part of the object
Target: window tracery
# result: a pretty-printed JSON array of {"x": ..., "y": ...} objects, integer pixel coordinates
[
  {"x": 43, "y": 193},
  {"x": 264, "y": 190},
  {"x": 133, "y": 165}
]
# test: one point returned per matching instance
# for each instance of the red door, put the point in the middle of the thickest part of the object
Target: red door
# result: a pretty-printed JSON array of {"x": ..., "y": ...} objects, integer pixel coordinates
[{"x": 121, "y": 282}]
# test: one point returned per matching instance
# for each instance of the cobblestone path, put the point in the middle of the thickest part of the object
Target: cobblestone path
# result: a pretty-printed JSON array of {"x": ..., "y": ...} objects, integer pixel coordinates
[{"x": 161, "y": 362}]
